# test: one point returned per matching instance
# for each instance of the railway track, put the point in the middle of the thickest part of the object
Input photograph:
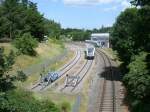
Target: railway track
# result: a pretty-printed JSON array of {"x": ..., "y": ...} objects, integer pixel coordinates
[
  {"x": 61, "y": 71},
  {"x": 107, "y": 96},
  {"x": 81, "y": 74}
]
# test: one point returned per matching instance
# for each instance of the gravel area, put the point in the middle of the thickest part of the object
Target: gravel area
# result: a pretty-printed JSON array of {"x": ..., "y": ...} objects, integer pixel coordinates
[{"x": 94, "y": 91}]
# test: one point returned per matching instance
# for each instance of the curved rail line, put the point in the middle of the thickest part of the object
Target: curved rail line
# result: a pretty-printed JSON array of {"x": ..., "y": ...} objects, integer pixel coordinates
[
  {"x": 64, "y": 69},
  {"x": 107, "y": 102},
  {"x": 71, "y": 64},
  {"x": 76, "y": 56}
]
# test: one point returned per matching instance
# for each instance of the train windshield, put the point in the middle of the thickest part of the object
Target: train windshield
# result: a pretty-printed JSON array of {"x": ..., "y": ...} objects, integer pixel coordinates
[{"x": 90, "y": 50}]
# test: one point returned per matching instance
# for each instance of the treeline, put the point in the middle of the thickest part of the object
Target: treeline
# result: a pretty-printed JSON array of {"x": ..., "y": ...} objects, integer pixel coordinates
[
  {"x": 75, "y": 34},
  {"x": 21, "y": 16},
  {"x": 131, "y": 39},
  {"x": 82, "y": 34},
  {"x": 103, "y": 29},
  {"x": 18, "y": 17},
  {"x": 24, "y": 26}
]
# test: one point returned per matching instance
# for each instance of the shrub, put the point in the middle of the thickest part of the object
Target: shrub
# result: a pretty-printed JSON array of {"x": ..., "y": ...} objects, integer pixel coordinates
[
  {"x": 23, "y": 101},
  {"x": 65, "y": 107},
  {"x": 21, "y": 76},
  {"x": 137, "y": 81},
  {"x": 26, "y": 44}
]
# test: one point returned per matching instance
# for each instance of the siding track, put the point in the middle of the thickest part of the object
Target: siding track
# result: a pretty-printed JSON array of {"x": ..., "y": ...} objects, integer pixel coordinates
[{"x": 61, "y": 71}]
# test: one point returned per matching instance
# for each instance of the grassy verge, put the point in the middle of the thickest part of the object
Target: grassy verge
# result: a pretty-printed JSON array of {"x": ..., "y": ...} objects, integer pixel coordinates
[
  {"x": 44, "y": 51},
  {"x": 58, "y": 98},
  {"x": 112, "y": 54},
  {"x": 34, "y": 78}
]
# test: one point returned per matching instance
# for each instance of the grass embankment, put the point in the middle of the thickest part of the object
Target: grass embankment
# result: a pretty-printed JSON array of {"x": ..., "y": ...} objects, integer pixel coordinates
[
  {"x": 57, "y": 98},
  {"x": 32, "y": 79},
  {"x": 112, "y": 54},
  {"x": 44, "y": 51}
]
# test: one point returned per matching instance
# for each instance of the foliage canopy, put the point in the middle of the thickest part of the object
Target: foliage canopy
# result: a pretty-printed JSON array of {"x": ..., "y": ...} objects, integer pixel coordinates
[
  {"x": 131, "y": 39},
  {"x": 26, "y": 44}
]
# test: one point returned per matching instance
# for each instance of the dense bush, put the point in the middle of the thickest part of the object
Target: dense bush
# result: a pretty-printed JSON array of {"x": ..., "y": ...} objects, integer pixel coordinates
[
  {"x": 21, "y": 76},
  {"x": 23, "y": 101},
  {"x": 18, "y": 100},
  {"x": 123, "y": 34},
  {"x": 131, "y": 39},
  {"x": 137, "y": 82},
  {"x": 65, "y": 107},
  {"x": 138, "y": 79},
  {"x": 26, "y": 44}
]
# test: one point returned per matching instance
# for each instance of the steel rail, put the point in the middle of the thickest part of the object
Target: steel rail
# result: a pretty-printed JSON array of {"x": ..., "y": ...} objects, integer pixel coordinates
[
  {"x": 74, "y": 60},
  {"x": 87, "y": 70},
  {"x": 61, "y": 69},
  {"x": 77, "y": 73},
  {"x": 103, "y": 55},
  {"x": 65, "y": 68}
]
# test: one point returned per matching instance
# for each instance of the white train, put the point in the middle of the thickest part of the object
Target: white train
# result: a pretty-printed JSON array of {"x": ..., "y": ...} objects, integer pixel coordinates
[{"x": 90, "y": 53}]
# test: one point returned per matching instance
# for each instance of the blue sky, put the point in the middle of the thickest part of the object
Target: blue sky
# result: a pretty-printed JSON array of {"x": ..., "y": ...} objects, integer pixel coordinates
[{"x": 86, "y": 14}]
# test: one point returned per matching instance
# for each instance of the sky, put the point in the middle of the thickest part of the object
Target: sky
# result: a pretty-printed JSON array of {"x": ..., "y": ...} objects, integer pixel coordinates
[{"x": 87, "y": 14}]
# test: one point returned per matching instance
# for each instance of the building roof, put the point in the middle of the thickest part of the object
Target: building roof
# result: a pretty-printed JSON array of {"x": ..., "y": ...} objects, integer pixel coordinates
[{"x": 100, "y": 35}]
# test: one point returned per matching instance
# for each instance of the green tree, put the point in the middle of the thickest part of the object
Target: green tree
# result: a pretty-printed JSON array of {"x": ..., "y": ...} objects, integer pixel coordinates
[
  {"x": 131, "y": 39},
  {"x": 140, "y": 2},
  {"x": 137, "y": 82},
  {"x": 142, "y": 34},
  {"x": 20, "y": 16},
  {"x": 8, "y": 10},
  {"x": 123, "y": 34},
  {"x": 6, "y": 63},
  {"x": 52, "y": 28},
  {"x": 76, "y": 34},
  {"x": 102, "y": 30},
  {"x": 79, "y": 35},
  {"x": 34, "y": 23},
  {"x": 26, "y": 44},
  {"x": 6, "y": 80}
]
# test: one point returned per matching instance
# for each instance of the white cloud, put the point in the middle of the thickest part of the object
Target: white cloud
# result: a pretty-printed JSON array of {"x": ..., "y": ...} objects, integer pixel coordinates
[
  {"x": 112, "y": 4},
  {"x": 86, "y": 2},
  {"x": 111, "y": 8}
]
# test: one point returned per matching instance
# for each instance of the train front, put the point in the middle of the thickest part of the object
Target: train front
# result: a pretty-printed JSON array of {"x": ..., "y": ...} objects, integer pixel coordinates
[{"x": 90, "y": 53}]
